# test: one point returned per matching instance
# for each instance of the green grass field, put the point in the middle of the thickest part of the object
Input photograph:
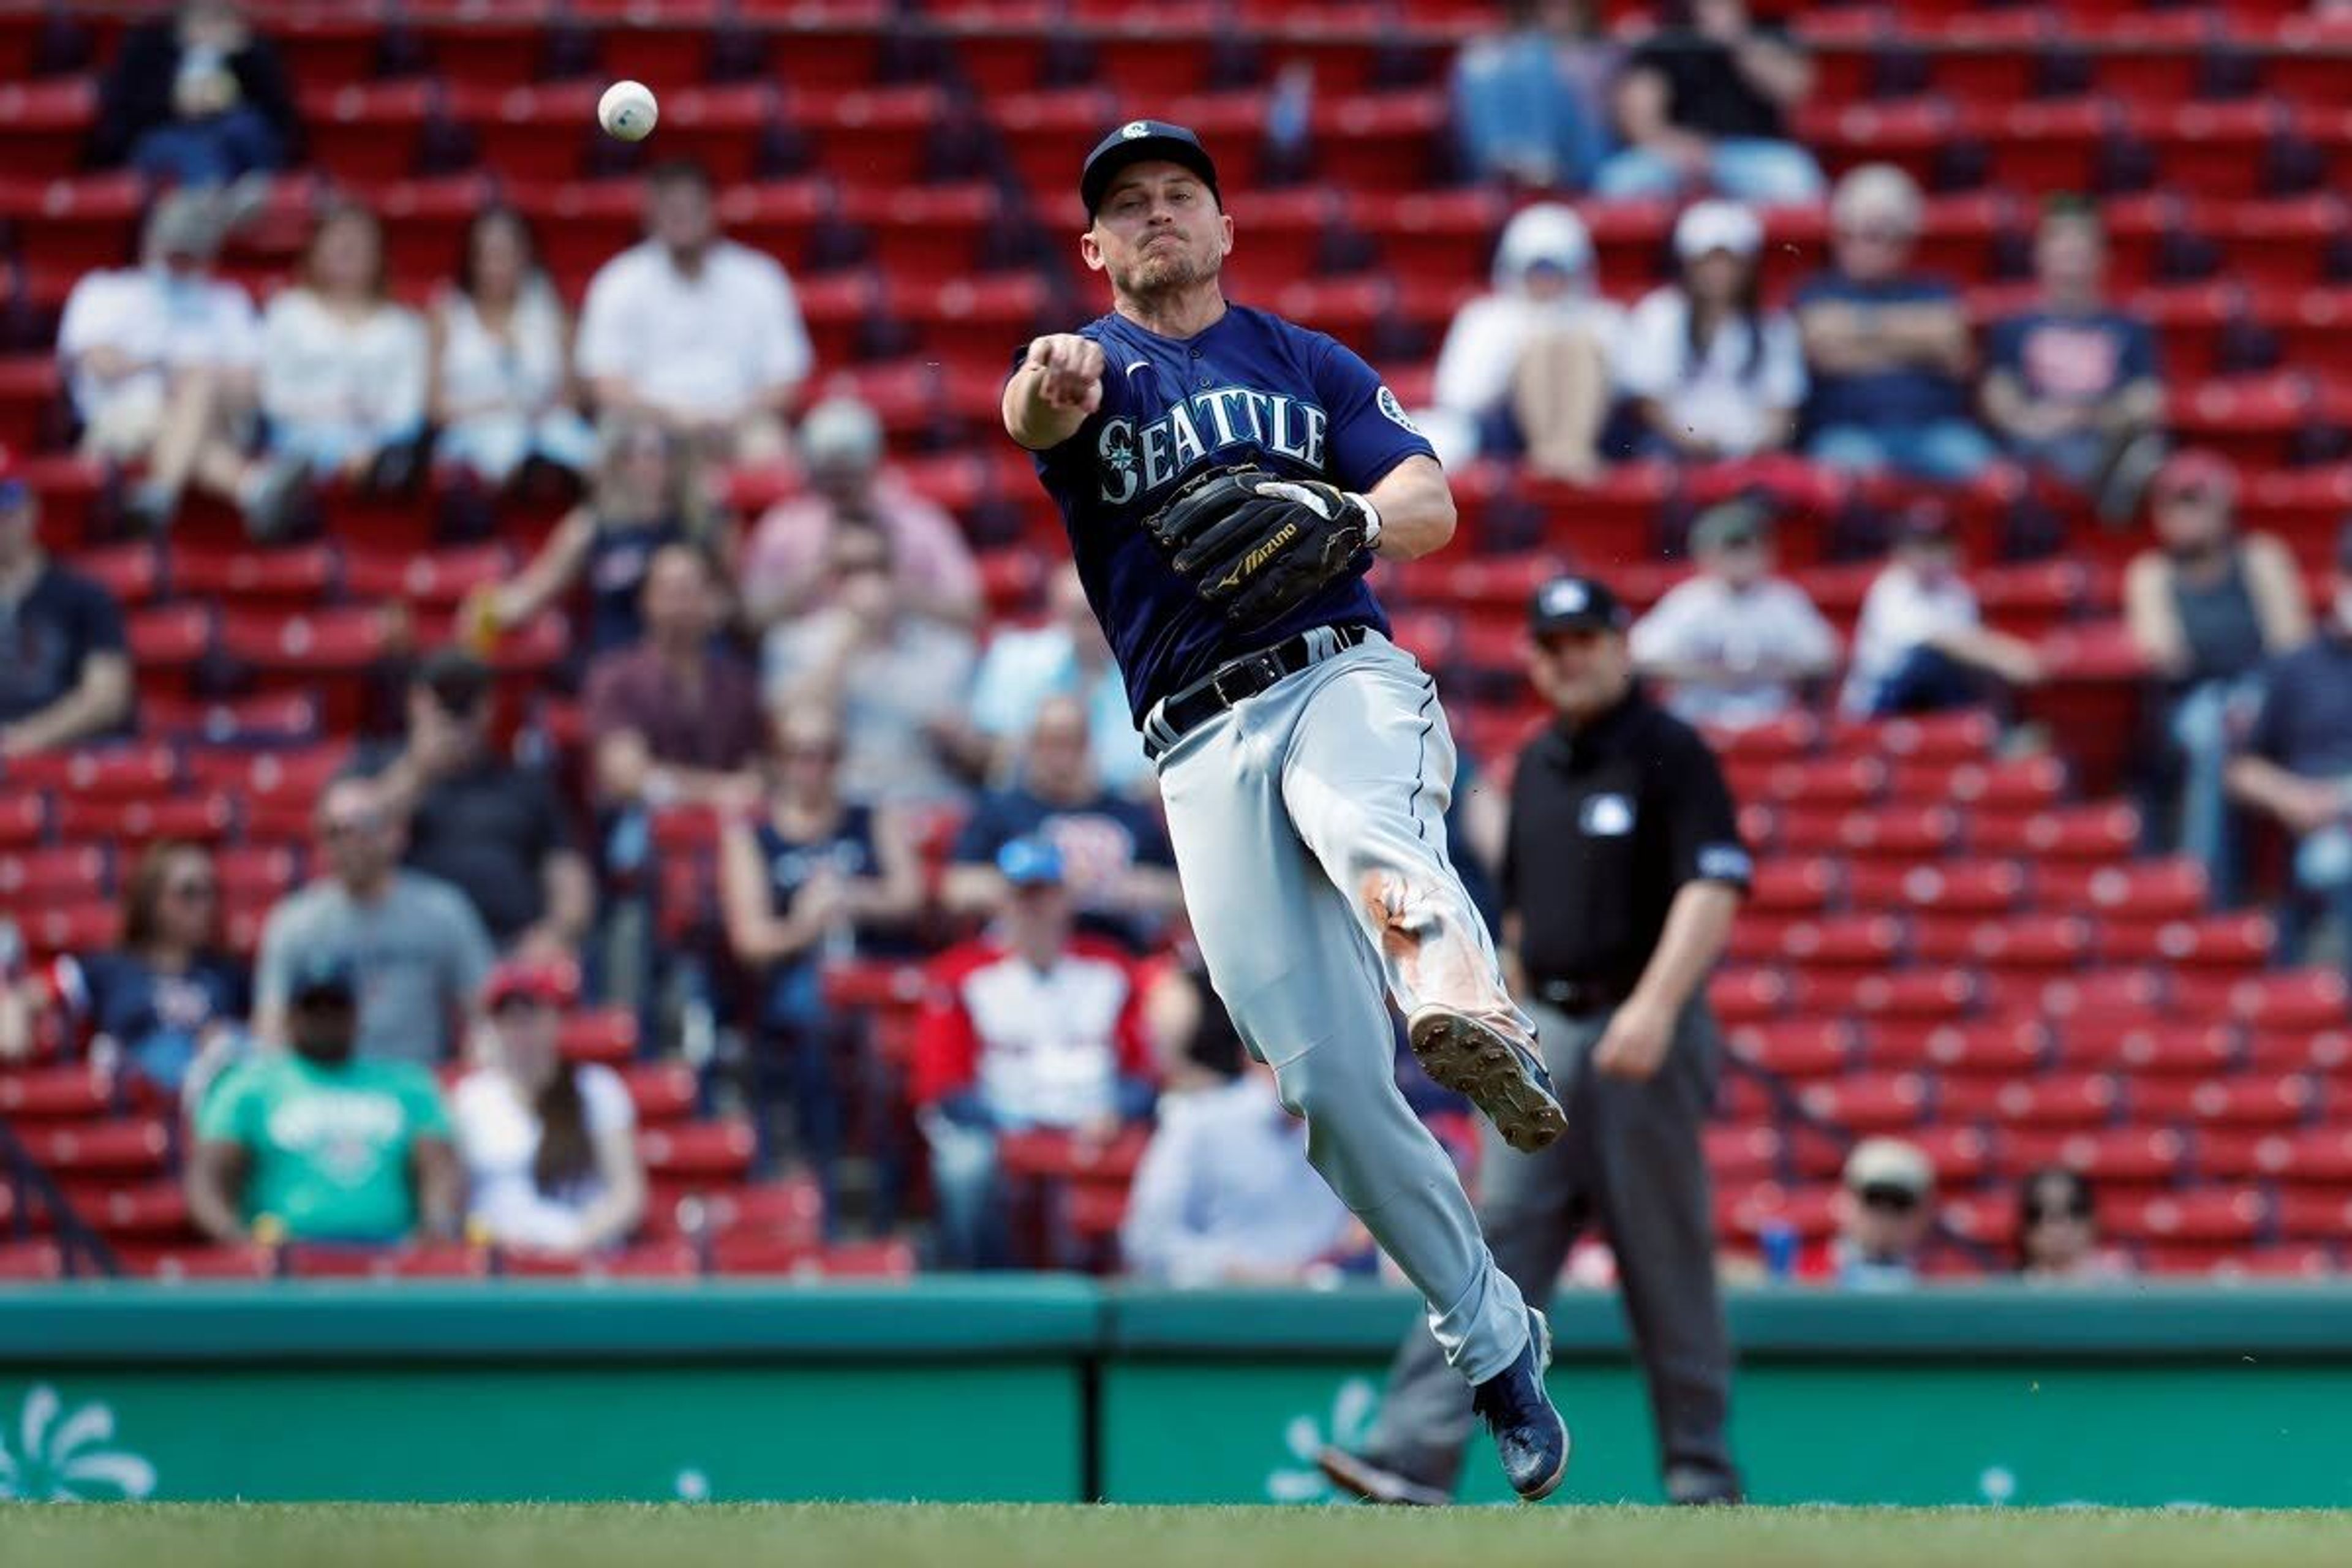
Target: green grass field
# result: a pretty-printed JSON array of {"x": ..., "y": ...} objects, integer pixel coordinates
[{"x": 884, "y": 1536}]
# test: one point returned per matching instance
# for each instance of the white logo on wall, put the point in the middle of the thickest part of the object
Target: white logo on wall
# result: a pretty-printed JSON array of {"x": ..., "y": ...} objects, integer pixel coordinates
[
  {"x": 1395, "y": 411},
  {"x": 68, "y": 1459},
  {"x": 1350, "y": 1424}
]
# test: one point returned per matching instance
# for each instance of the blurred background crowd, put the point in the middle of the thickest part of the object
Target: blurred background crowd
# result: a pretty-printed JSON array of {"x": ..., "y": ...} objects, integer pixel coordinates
[{"x": 527, "y": 745}]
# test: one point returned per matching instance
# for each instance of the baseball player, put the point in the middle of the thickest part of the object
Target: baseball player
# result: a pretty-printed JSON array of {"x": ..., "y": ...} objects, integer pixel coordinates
[{"x": 1226, "y": 478}]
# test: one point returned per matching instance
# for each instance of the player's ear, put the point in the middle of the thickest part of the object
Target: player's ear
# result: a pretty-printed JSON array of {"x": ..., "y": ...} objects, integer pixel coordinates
[
  {"x": 1225, "y": 233},
  {"x": 1090, "y": 251}
]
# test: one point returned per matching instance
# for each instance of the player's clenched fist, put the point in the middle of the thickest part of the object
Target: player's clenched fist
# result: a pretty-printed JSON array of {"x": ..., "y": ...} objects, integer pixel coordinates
[{"x": 1071, "y": 371}]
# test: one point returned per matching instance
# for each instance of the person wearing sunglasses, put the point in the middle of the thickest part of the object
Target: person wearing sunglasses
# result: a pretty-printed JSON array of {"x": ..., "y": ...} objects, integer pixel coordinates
[
  {"x": 2058, "y": 1230},
  {"x": 1884, "y": 1209},
  {"x": 1887, "y": 345}
]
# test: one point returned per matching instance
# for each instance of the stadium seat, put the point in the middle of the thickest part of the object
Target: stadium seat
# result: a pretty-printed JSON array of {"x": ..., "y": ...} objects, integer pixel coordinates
[
  {"x": 1864, "y": 1104},
  {"x": 2111, "y": 1156},
  {"x": 713, "y": 1150},
  {"x": 2253, "y": 1100},
  {"x": 1807, "y": 1049},
  {"x": 2220, "y": 1216},
  {"x": 53, "y": 875},
  {"x": 66, "y": 1093},
  {"x": 1979, "y": 1047},
  {"x": 2051, "y": 1100}
]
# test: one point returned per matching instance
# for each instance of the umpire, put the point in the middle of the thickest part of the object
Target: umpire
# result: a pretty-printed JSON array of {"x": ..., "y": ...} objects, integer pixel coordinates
[{"x": 1621, "y": 875}]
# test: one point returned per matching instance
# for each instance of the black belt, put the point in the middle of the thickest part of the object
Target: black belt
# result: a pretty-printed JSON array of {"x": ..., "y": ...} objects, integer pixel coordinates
[
  {"x": 1581, "y": 996},
  {"x": 1236, "y": 681}
]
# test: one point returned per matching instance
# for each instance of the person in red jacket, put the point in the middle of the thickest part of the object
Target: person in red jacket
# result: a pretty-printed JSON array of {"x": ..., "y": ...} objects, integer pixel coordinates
[{"x": 1029, "y": 1026}]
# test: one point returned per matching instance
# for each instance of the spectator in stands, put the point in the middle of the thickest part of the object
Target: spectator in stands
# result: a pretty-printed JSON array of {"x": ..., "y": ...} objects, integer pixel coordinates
[
  {"x": 498, "y": 832},
  {"x": 1224, "y": 1195},
  {"x": 323, "y": 1142},
  {"x": 1529, "y": 101},
  {"x": 900, "y": 679},
  {"x": 419, "y": 950},
  {"x": 2058, "y": 1231},
  {"x": 1065, "y": 655},
  {"x": 1885, "y": 1207},
  {"x": 344, "y": 364},
  {"x": 2206, "y": 606},
  {"x": 160, "y": 361},
  {"x": 1704, "y": 103},
  {"x": 1733, "y": 642},
  {"x": 549, "y": 1146},
  {"x": 799, "y": 879},
  {"x": 840, "y": 444},
  {"x": 196, "y": 97},
  {"x": 647, "y": 497},
  {"x": 1029, "y": 1027},
  {"x": 1920, "y": 646},
  {"x": 2072, "y": 385},
  {"x": 1116, "y": 859},
  {"x": 673, "y": 720},
  {"x": 1526, "y": 367},
  {"x": 500, "y": 349},
  {"x": 168, "y": 993},
  {"x": 2297, "y": 766},
  {"x": 1888, "y": 348},
  {"x": 1714, "y": 373},
  {"x": 695, "y": 330},
  {"x": 65, "y": 665}
]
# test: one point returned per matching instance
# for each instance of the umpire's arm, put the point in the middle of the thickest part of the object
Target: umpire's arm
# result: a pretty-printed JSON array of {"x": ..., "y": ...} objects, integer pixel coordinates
[{"x": 1712, "y": 869}]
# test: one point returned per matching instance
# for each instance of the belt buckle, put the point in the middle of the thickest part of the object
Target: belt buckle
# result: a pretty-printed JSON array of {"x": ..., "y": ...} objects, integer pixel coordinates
[{"x": 1246, "y": 664}]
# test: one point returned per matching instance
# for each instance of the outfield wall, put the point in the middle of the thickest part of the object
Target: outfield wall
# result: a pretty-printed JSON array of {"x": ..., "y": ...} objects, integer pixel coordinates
[{"x": 1054, "y": 1389}]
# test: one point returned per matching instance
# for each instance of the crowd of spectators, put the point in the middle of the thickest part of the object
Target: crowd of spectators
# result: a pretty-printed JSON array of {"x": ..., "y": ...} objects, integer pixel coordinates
[{"x": 828, "y": 683}]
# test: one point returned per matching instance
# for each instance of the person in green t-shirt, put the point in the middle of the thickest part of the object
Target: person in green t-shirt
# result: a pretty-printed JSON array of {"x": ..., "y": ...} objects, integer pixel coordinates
[{"x": 318, "y": 1144}]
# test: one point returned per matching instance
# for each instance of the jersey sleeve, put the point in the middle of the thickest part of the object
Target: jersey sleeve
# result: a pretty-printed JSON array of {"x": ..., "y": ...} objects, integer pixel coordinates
[
  {"x": 1702, "y": 827},
  {"x": 1369, "y": 431}
]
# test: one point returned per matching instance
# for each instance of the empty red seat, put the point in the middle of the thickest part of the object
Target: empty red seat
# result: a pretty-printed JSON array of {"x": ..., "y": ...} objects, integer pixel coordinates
[
  {"x": 1808, "y": 1211},
  {"x": 1957, "y": 737},
  {"x": 1741, "y": 1154},
  {"x": 1830, "y": 783},
  {"x": 2309, "y": 1154},
  {"x": 1846, "y": 941},
  {"x": 83, "y": 926},
  {"x": 114, "y": 772},
  {"x": 42, "y": 875},
  {"x": 2121, "y": 1156},
  {"x": 430, "y": 1261},
  {"x": 151, "y": 1212},
  {"x": 2154, "y": 890},
  {"x": 1979, "y": 1048},
  {"x": 1782, "y": 738},
  {"x": 1738, "y": 995},
  {"x": 2209, "y": 1217},
  {"x": 173, "y": 1265},
  {"x": 1989, "y": 1219},
  {"x": 713, "y": 1148},
  {"x": 1904, "y": 833},
  {"x": 1792, "y": 887},
  {"x": 2052, "y": 1099},
  {"x": 1913, "y": 994},
  {"x": 1958, "y": 1154},
  {"x": 661, "y": 1091},
  {"x": 1800, "y": 1048},
  {"x": 1955, "y": 887},
  {"x": 2020, "y": 943},
  {"x": 68, "y": 1092},
  {"x": 120, "y": 1148},
  {"x": 38, "y": 1258},
  {"x": 2314, "y": 1213},
  {"x": 2251, "y": 1099},
  {"x": 199, "y": 818},
  {"x": 2233, "y": 942},
  {"x": 1869, "y": 1102},
  {"x": 607, "y": 1035},
  {"x": 169, "y": 637},
  {"x": 2153, "y": 1046},
  {"x": 2306, "y": 999},
  {"x": 2102, "y": 832},
  {"x": 2102, "y": 997},
  {"x": 2324, "y": 1051},
  {"x": 24, "y": 818},
  {"x": 321, "y": 641}
]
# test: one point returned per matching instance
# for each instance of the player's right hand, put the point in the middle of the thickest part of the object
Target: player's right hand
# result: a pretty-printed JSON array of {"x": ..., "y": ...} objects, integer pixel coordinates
[{"x": 1072, "y": 369}]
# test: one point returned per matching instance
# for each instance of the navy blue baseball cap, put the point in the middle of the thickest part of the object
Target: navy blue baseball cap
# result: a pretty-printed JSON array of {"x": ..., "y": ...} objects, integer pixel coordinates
[
  {"x": 1575, "y": 604},
  {"x": 1141, "y": 141},
  {"x": 322, "y": 973},
  {"x": 1030, "y": 862}
]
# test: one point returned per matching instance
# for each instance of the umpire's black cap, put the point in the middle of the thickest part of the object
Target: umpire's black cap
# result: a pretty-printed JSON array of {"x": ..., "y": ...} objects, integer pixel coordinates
[
  {"x": 1137, "y": 141},
  {"x": 1576, "y": 605}
]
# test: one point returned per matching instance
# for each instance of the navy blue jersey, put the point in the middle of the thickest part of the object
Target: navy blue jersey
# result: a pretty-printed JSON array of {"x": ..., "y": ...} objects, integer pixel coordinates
[{"x": 1249, "y": 388}]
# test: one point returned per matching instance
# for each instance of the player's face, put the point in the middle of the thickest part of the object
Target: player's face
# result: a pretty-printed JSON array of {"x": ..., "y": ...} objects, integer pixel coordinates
[
  {"x": 1159, "y": 230},
  {"x": 1580, "y": 673}
]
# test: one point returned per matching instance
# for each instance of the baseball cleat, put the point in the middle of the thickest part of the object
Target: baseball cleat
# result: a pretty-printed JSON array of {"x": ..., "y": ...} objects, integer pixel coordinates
[
  {"x": 1530, "y": 1436},
  {"x": 1365, "y": 1478},
  {"x": 1503, "y": 1079}
]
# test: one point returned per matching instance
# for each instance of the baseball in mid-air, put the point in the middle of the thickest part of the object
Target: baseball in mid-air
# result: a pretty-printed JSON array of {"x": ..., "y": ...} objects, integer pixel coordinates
[{"x": 627, "y": 110}]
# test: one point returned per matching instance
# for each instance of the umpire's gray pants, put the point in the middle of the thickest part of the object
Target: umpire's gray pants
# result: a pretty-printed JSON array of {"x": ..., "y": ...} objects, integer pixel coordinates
[{"x": 1632, "y": 1159}]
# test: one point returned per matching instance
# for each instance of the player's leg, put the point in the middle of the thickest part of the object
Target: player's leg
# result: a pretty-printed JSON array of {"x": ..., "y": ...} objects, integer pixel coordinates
[
  {"x": 1658, "y": 1207},
  {"x": 1532, "y": 1207},
  {"x": 1368, "y": 775},
  {"x": 1283, "y": 952}
]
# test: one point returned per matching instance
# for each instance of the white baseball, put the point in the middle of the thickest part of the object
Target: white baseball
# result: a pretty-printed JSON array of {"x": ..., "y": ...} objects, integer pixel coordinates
[{"x": 627, "y": 110}]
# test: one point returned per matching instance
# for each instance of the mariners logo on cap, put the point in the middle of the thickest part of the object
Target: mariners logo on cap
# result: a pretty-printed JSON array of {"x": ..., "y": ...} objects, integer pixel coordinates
[{"x": 1133, "y": 128}]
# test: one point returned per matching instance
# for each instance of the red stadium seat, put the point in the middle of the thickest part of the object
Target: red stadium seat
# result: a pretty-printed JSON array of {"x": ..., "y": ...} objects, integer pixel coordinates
[
  {"x": 2310, "y": 999},
  {"x": 2037, "y": 943},
  {"x": 2078, "y": 833},
  {"x": 2001, "y": 1047},
  {"x": 1793, "y": 887},
  {"x": 1741, "y": 1154},
  {"x": 45, "y": 876},
  {"x": 2314, "y": 1213},
  {"x": 661, "y": 1091},
  {"x": 2152, "y": 1048},
  {"x": 35, "y": 1259},
  {"x": 1989, "y": 1219},
  {"x": 1951, "y": 738},
  {"x": 1738, "y": 996},
  {"x": 1960, "y": 1155},
  {"x": 2152, "y": 890},
  {"x": 2052, "y": 1099},
  {"x": 2210, "y": 1217},
  {"x": 59, "y": 1093},
  {"x": 1864, "y": 1103},
  {"x": 169, "y": 637},
  {"x": 1806, "y": 1048},
  {"x": 2236, "y": 942},
  {"x": 1843, "y": 942},
  {"x": 2111, "y": 1156},
  {"x": 2324, "y": 1051},
  {"x": 705, "y": 1149},
  {"x": 608, "y": 1035},
  {"x": 174, "y": 1264},
  {"x": 1895, "y": 833},
  {"x": 111, "y": 772},
  {"x": 1743, "y": 1211},
  {"x": 2254, "y": 1099},
  {"x": 154, "y": 1211},
  {"x": 1916, "y": 994},
  {"x": 116, "y": 1148}
]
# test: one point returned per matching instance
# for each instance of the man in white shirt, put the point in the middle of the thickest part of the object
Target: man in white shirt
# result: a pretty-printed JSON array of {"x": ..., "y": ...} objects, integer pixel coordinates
[
  {"x": 161, "y": 361},
  {"x": 1920, "y": 646},
  {"x": 693, "y": 329},
  {"x": 1733, "y": 642}
]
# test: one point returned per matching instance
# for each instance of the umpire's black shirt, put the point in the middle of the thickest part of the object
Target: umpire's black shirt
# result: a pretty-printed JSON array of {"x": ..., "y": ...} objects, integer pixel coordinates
[{"x": 1608, "y": 821}]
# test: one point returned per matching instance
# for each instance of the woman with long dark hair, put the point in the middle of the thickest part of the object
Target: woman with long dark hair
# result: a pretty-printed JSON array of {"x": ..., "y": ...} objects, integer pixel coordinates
[
  {"x": 549, "y": 1145},
  {"x": 1714, "y": 373},
  {"x": 501, "y": 383},
  {"x": 343, "y": 362},
  {"x": 168, "y": 991}
]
